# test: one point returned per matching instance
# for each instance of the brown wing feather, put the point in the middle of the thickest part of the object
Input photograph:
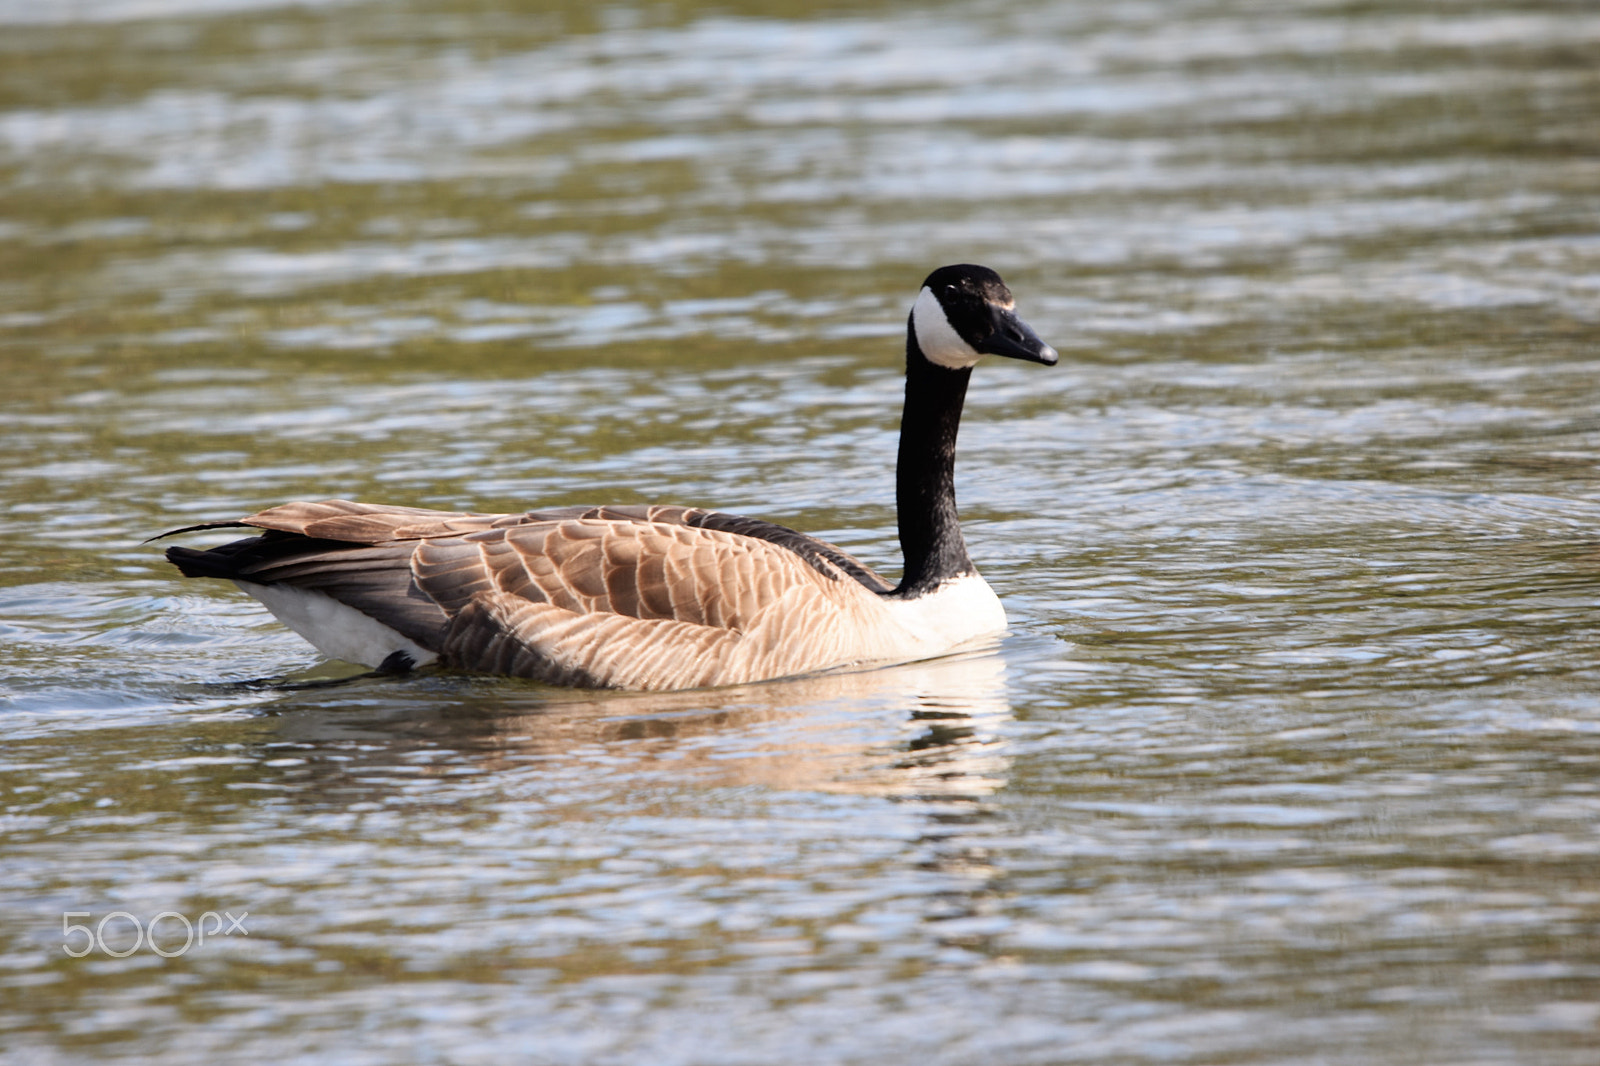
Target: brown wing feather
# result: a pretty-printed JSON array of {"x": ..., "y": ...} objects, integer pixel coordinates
[
  {"x": 367, "y": 523},
  {"x": 356, "y": 523},
  {"x": 632, "y": 569},
  {"x": 503, "y": 634},
  {"x": 634, "y": 597},
  {"x": 632, "y": 604}
]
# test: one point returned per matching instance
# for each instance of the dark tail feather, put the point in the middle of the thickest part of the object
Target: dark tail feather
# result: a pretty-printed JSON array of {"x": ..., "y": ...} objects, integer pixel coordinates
[
  {"x": 197, "y": 562},
  {"x": 237, "y": 559}
]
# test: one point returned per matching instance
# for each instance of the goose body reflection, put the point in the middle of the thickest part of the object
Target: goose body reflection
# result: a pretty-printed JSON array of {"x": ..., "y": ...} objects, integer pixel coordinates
[
  {"x": 650, "y": 597},
  {"x": 930, "y": 729}
]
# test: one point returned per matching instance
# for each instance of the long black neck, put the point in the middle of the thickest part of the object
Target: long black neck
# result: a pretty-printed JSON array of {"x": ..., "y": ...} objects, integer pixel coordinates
[{"x": 925, "y": 476}]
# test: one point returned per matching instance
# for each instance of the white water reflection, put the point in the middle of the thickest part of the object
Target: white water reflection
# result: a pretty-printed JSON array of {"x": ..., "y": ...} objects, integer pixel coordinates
[
  {"x": 858, "y": 124},
  {"x": 67, "y": 12}
]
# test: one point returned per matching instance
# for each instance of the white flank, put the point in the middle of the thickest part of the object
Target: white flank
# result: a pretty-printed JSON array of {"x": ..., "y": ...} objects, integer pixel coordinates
[
  {"x": 956, "y": 613},
  {"x": 337, "y": 631},
  {"x": 936, "y": 337}
]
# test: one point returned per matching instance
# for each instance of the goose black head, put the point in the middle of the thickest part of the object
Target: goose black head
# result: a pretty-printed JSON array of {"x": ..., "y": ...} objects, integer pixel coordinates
[{"x": 965, "y": 312}]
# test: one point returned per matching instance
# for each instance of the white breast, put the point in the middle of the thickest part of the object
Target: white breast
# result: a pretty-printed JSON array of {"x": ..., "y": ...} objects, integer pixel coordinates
[{"x": 958, "y": 612}]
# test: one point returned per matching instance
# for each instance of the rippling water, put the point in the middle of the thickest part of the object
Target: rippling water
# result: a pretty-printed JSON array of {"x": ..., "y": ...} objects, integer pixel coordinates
[{"x": 1292, "y": 754}]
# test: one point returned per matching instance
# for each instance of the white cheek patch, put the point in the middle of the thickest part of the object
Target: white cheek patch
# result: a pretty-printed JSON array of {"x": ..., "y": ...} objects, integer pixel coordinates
[{"x": 936, "y": 337}]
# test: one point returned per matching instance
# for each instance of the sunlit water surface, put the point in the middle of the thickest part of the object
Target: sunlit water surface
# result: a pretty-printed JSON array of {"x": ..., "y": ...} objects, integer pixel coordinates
[{"x": 1292, "y": 754}]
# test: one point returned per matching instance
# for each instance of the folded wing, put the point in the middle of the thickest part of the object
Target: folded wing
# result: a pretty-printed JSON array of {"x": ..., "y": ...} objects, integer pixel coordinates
[{"x": 635, "y": 597}]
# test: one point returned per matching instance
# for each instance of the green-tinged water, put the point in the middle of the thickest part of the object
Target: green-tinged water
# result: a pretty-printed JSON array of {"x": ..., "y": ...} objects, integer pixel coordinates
[{"x": 1291, "y": 756}]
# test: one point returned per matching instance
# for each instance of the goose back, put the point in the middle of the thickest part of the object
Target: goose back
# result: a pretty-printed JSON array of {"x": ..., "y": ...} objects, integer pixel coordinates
[{"x": 629, "y": 597}]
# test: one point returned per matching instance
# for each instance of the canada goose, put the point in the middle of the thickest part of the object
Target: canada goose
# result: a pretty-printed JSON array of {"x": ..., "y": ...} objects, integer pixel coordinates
[{"x": 646, "y": 597}]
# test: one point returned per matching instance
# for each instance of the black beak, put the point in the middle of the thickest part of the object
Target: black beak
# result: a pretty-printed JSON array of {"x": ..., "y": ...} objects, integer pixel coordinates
[{"x": 1015, "y": 339}]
